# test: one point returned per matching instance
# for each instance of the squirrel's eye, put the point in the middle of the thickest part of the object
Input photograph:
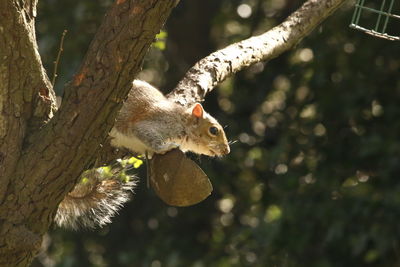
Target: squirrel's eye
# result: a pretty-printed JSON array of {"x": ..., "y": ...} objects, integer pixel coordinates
[{"x": 213, "y": 130}]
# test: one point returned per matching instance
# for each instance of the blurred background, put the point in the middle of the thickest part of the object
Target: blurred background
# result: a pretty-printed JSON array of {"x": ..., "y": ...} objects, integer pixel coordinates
[{"x": 314, "y": 177}]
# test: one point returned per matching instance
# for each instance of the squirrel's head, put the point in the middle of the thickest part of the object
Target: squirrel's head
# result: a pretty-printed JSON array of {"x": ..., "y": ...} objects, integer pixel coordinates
[{"x": 205, "y": 136}]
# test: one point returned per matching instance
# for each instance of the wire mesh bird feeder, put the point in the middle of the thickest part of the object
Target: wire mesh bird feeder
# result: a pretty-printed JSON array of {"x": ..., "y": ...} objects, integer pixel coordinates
[{"x": 380, "y": 18}]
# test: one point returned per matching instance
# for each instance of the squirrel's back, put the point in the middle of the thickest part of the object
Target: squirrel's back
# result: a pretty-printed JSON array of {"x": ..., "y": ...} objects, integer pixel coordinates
[{"x": 144, "y": 101}]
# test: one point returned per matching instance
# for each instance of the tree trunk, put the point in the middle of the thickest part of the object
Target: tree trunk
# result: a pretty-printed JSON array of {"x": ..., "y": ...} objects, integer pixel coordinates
[{"x": 41, "y": 156}]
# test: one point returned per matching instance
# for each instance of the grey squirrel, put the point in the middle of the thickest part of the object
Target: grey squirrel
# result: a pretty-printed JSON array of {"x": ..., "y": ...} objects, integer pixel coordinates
[{"x": 147, "y": 123}]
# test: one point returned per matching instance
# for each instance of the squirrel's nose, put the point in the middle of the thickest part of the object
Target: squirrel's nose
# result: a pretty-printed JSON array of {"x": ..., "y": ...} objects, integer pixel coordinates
[{"x": 226, "y": 150}]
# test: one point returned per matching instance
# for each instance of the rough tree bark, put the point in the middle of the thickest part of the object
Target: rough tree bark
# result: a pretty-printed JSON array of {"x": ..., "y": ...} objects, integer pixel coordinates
[
  {"x": 40, "y": 162},
  {"x": 41, "y": 155}
]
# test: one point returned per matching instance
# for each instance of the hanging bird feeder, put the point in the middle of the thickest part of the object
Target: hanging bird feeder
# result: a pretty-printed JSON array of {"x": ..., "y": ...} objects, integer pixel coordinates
[{"x": 380, "y": 18}]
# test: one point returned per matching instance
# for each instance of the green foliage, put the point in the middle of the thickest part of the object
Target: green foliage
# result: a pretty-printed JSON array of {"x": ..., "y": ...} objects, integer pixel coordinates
[
  {"x": 135, "y": 162},
  {"x": 121, "y": 170},
  {"x": 160, "y": 42},
  {"x": 313, "y": 177}
]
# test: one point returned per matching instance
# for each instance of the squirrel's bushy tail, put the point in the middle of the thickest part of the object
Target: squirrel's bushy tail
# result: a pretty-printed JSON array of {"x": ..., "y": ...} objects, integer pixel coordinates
[{"x": 95, "y": 199}]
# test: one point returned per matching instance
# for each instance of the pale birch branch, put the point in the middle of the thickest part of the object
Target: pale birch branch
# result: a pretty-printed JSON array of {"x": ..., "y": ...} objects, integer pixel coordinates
[{"x": 215, "y": 68}]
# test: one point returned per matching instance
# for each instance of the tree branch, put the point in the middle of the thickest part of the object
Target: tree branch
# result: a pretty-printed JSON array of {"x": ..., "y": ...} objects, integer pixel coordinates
[{"x": 215, "y": 68}]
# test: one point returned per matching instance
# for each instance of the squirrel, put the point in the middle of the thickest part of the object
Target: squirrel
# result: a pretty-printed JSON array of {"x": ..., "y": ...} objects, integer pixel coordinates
[
  {"x": 147, "y": 123},
  {"x": 150, "y": 123}
]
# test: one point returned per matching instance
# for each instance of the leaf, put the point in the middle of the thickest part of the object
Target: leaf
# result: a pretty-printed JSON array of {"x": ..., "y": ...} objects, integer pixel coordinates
[{"x": 177, "y": 180}]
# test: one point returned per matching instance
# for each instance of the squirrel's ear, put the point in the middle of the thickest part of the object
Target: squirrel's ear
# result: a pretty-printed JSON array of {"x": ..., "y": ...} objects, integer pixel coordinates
[{"x": 197, "y": 110}]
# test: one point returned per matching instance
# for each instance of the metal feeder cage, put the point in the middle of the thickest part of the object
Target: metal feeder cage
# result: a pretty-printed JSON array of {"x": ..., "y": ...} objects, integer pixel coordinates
[{"x": 380, "y": 18}]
